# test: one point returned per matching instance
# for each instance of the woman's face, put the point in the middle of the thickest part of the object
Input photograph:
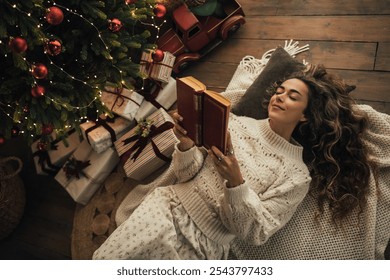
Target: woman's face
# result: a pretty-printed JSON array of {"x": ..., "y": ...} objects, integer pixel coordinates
[{"x": 288, "y": 104}]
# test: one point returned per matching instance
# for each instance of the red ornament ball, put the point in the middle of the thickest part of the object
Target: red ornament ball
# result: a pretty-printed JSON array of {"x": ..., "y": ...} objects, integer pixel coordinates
[
  {"x": 47, "y": 129},
  {"x": 115, "y": 25},
  {"x": 15, "y": 131},
  {"x": 158, "y": 55},
  {"x": 38, "y": 91},
  {"x": 2, "y": 139},
  {"x": 41, "y": 146},
  {"x": 53, "y": 47},
  {"x": 39, "y": 71},
  {"x": 159, "y": 10},
  {"x": 128, "y": 2},
  {"x": 54, "y": 16},
  {"x": 18, "y": 44}
]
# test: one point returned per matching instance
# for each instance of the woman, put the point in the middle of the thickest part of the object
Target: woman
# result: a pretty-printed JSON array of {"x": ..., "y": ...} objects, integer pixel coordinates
[
  {"x": 209, "y": 199},
  {"x": 346, "y": 213}
]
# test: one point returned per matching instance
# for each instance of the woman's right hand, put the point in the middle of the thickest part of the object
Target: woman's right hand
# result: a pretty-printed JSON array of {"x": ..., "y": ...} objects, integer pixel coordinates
[{"x": 185, "y": 142}]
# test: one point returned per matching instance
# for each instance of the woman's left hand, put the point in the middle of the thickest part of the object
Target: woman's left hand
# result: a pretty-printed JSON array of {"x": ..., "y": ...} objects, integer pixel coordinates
[{"x": 227, "y": 165}]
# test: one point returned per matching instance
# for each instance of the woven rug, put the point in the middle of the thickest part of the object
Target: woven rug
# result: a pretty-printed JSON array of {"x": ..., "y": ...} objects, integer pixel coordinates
[{"x": 94, "y": 222}]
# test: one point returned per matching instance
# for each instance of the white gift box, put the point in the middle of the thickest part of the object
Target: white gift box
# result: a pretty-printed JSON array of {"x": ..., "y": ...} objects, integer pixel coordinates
[
  {"x": 92, "y": 176},
  {"x": 124, "y": 102},
  {"x": 43, "y": 159},
  {"x": 147, "y": 160},
  {"x": 159, "y": 71},
  {"x": 103, "y": 133},
  {"x": 166, "y": 97}
]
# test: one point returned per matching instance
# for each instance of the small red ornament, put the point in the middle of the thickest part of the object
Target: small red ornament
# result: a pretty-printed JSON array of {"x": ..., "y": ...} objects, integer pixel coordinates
[
  {"x": 39, "y": 71},
  {"x": 37, "y": 91},
  {"x": 18, "y": 44},
  {"x": 158, "y": 55},
  {"x": 47, "y": 129},
  {"x": 41, "y": 146},
  {"x": 15, "y": 131},
  {"x": 53, "y": 47},
  {"x": 54, "y": 16},
  {"x": 128, "y": 2},
  {"x": 115, "y": 25},
  {"x": 159, "y": 10},
  {"x": 26, "y": 109},
  {"x": 2, "y": 139}
]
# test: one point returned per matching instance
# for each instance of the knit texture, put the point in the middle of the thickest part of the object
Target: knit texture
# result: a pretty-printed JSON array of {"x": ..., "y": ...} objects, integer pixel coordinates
[
  {"x": 303, "y": 237},
  {"x": 276, "y": 181}
]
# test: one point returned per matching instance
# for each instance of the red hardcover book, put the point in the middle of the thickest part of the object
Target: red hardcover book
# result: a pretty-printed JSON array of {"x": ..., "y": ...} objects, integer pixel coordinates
[{"x": 205, "y": 113}]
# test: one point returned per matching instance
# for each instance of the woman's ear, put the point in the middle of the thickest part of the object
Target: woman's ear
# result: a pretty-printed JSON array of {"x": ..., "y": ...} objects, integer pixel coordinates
[{"x": 303, "y": 118}]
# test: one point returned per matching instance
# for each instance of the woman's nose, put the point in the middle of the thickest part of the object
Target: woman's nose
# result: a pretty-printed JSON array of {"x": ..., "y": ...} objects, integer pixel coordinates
[{"x": 279, "y": 97}]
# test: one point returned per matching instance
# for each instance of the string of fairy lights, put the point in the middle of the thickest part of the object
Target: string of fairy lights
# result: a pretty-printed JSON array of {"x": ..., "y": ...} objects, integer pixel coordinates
[{"x": 132, "y": 12}]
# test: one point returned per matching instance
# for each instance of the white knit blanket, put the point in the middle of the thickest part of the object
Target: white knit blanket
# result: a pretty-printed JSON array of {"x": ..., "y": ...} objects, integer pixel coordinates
[{"x": 303, "y": 237}]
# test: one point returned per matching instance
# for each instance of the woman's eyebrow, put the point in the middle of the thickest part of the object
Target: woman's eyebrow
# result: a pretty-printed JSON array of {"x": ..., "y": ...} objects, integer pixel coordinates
[{"x": 292, "y": 90}]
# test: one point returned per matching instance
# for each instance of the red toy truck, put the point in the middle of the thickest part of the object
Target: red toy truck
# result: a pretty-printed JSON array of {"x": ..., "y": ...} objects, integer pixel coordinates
[{"x": 191, "y": 37}]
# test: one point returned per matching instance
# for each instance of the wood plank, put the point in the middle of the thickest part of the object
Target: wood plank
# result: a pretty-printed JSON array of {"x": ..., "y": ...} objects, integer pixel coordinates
[
  {"x": 383, "y": 57},
  {"x": 331, "y": 28},
  {"x": 214, "y": 75},
  {"x": 315, "y": 7},
  {"x": 370, "y": 85},
  {"x": 332, "y": 54}
]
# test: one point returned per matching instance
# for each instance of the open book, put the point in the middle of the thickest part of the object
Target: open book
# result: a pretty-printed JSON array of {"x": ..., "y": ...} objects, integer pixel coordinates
[{"x": 205, "y": 113}]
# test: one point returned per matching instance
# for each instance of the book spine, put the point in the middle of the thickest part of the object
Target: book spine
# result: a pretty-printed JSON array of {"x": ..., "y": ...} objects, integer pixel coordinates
[{"x": 198, "y": 104}]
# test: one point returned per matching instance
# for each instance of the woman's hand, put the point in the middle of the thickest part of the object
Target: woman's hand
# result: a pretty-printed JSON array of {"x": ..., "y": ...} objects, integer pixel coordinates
[
  {"x": 185, "y": 142},
  {"x": 227, "y": 165}
]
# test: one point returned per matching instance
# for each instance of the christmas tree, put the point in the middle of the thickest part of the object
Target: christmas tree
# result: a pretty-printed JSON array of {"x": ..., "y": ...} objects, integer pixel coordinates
[{"x": 57, "y": 56}]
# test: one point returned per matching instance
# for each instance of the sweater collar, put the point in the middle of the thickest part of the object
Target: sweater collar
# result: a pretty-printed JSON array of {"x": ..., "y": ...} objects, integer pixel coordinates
[{"x": 278, "y": 143}]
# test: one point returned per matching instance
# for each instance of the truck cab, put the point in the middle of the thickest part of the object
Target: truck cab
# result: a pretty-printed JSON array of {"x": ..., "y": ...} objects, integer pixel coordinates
[{"x": 191, "y": 37}]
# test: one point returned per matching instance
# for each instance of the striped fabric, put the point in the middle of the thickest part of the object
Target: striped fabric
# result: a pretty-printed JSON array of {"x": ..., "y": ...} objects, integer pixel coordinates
[{"x": 147, "y": 162}]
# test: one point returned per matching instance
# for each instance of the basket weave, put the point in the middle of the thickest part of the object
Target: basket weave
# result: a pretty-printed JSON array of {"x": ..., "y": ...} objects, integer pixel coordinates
[{"x": 12, "y": 195}]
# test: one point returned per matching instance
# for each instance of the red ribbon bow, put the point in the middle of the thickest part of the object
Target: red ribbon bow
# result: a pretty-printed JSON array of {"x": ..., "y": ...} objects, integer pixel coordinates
[
  {"x": 104, "y": 123},
  {"x": 119, "y": 96}
]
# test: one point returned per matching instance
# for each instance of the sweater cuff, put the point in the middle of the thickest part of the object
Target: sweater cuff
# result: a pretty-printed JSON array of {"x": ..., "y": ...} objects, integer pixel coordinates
[
  {"x": 185, "y": 158},
  {"x": 237, "y": 194}
]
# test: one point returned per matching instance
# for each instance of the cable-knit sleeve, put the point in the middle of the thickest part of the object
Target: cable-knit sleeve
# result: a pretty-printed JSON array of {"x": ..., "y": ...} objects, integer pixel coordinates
[
  {"x": 256, "y": 217},
  {"x": 187, "y": 164}
]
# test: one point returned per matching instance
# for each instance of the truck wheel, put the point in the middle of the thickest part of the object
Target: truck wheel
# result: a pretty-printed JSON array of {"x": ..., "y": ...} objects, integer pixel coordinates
[
  {"x": 230, "y": 26},
  {"x": 183, "y": 66},
  {"x": 233, "y": 29}
]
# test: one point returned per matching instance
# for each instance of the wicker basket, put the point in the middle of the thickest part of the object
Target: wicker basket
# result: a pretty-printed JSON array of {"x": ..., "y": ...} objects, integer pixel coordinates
[{"x": 12, "y": 195}]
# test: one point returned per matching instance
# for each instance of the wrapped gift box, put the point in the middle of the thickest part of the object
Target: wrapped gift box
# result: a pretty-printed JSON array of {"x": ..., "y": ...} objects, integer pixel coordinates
[
  {"x": 122, "y": 101},
  {"x": 159, "y": 71},
  {"x": 143, "y": 151},
  {"x": 49, "y": 157},
  {"x": 102, "y": 134},
  {"x": 165, "y": 98},
  {"x": 94, "y": 169}
]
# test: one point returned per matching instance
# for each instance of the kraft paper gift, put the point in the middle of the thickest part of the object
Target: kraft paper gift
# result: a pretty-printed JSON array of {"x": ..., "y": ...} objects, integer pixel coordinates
[
  {"x": 122, "y": 101},
  {"x": 148, "y": 146},
  {"x": 166, "y": 97},
  {"x": 83, "y": 179},
  {"x": 159, "y": 71},
  {"x": 104, "y": 132},
  {"x": 50, "y": 156}
]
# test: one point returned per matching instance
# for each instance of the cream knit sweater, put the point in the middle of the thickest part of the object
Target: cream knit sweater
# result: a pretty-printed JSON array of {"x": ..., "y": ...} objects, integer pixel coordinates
[
  {"x": 303, "y": 237},
  {"x": 276, "y": 181}
]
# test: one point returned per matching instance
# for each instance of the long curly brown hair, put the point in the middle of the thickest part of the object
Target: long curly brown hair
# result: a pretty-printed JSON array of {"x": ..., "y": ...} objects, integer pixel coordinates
[{"x": 333, "y": 149}]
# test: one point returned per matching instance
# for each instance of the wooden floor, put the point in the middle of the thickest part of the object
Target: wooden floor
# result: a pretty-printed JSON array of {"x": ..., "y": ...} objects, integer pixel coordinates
[{"x": 351, "y": 38}]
